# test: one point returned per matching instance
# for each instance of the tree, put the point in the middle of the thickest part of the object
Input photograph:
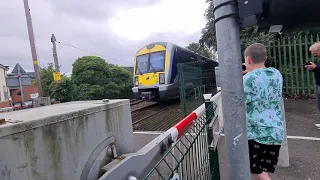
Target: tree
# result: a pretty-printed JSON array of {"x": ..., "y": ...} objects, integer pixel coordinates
[
  {"x": 248, "y": 35},
  {"x": 200, "y": 49},
  {"x": 91, "y": 70},
  {"x": 96, "y": 79},
  {"x": 120, "y": 78},
  {"x": 63, "y": 90},
  {"x": 46, "y": 76}
]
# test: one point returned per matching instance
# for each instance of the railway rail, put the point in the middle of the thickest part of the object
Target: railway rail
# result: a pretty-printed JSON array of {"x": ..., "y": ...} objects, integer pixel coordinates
[
  {"x": 134, "y": 102},
  {"x": 157, "y": 117},
  {"x": 141, "y": 105}
]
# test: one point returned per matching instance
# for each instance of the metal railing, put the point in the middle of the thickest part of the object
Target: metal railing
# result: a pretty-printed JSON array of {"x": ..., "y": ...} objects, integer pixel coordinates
[
  {"x": 195, "y": 79},
  {"x": 187, "y": 150},
  {"x": 288, "y": 54}
]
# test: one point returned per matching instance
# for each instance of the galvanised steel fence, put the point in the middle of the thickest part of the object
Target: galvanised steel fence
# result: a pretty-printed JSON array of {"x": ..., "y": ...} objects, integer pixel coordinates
[
  {"x": 288, "y": 55},
  {"x": 191, "y": 157},
  {"x": 195, "y": 79}
]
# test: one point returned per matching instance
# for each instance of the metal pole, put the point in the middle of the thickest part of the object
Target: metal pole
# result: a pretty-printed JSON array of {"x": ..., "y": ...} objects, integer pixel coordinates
[
  {"x": 230, "y": 65},
  {"x": 20, "y": 84},
  {"x": 33, "y": 46},
  {"x": 55, "y": 55}
]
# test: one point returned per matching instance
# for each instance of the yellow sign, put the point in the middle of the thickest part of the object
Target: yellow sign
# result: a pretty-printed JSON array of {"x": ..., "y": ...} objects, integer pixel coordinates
[
  {"x": 35, "y": 62},
  {"x": 33, "y": 82},
  {"x": 56, "y": 76}
]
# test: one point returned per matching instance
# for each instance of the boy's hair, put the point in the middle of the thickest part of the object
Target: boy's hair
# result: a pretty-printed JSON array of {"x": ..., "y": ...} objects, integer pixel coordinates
[{"x": 257, "y": 52}]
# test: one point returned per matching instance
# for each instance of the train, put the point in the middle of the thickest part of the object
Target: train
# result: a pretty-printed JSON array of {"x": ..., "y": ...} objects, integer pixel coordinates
[{"x": 155, "y": 72}]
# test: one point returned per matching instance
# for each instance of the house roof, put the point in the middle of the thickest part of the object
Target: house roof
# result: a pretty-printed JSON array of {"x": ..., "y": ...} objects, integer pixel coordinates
[
  {"x": 4, "y": 67},
  {"x": 15, "y": 69}
]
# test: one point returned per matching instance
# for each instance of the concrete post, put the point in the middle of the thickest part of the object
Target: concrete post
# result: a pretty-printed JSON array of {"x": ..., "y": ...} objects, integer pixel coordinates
[{"x": 284, "y": 151}]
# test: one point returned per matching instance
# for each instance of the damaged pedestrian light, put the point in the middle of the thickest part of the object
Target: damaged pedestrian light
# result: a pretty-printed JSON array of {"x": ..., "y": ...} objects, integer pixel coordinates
[{"x": 279, "y": 15}]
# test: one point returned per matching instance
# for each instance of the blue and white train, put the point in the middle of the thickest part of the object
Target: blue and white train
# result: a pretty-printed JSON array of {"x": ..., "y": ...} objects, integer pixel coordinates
[{"x": 155, "y": 70}]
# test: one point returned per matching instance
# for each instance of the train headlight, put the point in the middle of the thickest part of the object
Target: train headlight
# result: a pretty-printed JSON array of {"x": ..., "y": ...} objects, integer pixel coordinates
[
  {"x": 161, "y": 79},
  {"x": 136, "y": 82}
]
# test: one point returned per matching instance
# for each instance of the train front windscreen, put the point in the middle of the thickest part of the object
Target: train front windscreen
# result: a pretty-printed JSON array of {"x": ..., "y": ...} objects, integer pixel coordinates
[{"x": 150, "y": 63}]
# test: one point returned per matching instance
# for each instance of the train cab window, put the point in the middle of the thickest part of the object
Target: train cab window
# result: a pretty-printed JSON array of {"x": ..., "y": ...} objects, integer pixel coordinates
[
  {"x": 157, "y": 60},
  {"x": 142, "y": 64}
]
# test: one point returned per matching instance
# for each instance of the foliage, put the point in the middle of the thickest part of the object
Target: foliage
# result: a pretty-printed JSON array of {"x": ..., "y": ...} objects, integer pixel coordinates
[
  {"x": 120, "y": 78},
  {"x": 248, "y": 35},
  {"x": 92, "y": 78},
  {"x": 63, "y": 90},
  {"x": 96, "y": 79},
  {"x": 46, "y": 76},
  {"x": 200, "y": 49},
  {"x": 287, "y": 50},
  {"x": 90, "y": 70}
]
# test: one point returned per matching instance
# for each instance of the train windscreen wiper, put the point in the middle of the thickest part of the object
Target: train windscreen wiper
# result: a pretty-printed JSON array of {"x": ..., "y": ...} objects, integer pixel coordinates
[
  {"x": 140, "y": 72},
  {"x": 153, "y": 69}
]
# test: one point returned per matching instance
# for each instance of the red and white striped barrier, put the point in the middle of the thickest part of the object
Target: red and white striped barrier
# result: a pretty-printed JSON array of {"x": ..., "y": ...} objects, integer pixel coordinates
[
  {"x": 150, "y": 153},
  {"x": 181, "y": 127}
]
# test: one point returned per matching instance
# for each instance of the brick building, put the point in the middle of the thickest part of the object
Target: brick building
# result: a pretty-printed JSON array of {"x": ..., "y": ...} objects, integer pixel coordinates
[{"x": 27, "y": 81}]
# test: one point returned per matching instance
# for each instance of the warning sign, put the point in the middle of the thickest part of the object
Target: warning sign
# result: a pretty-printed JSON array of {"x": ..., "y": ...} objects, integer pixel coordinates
[
  {"x": 56, "y": 76},
  {"x": 33, "y": 82},
  {"x": 176, "y": 176}
]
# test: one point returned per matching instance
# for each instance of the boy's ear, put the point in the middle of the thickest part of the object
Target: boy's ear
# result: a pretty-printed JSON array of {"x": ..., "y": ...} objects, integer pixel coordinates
[{"x": 249, "y": 60}]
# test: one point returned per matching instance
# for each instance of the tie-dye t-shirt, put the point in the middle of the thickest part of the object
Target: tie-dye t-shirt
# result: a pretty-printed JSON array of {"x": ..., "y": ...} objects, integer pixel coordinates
[{"x": 263, "y": 93}]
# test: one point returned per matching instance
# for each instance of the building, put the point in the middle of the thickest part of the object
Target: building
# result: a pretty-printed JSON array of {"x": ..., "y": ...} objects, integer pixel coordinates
[
  {"x": 28, "y": 80},
  {"x": 4, "y": 91}
]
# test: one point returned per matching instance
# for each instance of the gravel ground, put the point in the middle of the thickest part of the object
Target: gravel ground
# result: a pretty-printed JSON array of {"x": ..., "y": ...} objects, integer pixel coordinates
[{"x": 162, "y": 118}]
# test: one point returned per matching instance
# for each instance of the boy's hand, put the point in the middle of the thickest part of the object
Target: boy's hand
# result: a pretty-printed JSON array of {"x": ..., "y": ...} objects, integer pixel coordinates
[
  {"x": 311, "y": 67},
  {"x": 245, "y": 71}
]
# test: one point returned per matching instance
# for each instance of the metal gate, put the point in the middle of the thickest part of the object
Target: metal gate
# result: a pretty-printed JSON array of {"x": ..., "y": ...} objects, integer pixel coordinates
[
  {"x": 192, "y": 156},
  {"x": 195, "y": 79}
]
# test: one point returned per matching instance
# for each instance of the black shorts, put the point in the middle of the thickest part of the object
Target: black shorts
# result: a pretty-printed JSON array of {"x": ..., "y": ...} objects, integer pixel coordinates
[{"x": 263, "y": 157}]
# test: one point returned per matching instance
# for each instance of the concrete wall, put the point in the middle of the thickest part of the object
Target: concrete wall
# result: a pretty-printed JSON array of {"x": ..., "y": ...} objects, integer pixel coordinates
[
  {"x": 143, "y": 138},
  {"x": 55, "y": 142}
]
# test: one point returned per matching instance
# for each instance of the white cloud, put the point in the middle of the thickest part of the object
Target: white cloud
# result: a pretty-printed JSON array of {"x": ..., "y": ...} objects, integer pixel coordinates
[
  {"x": 184, "y": 16},
  {"x": 112, "y": 28}
]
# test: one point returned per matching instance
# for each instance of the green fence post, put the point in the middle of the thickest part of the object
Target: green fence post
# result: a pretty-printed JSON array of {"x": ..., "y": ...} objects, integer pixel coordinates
[{"x": 213, "y": 152}]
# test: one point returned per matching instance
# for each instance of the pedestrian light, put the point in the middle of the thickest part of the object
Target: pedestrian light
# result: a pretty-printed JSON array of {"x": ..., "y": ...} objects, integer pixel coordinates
[{"x": 280, "y": 15}]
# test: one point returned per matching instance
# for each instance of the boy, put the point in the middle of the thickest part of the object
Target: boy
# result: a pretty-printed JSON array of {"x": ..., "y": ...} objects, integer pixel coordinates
[{"x": 262, "y": 93}]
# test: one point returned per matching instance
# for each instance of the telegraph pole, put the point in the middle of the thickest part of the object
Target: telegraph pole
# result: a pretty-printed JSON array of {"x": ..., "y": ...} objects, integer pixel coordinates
[
  {"x": 33, "y": 46},
  {"x": 230, "y": 65},
  {"x": 55, "y": 55}
]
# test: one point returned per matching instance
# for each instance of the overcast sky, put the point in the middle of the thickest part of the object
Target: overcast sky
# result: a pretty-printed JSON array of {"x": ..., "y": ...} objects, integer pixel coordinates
[{"x": 115, "y": 29}]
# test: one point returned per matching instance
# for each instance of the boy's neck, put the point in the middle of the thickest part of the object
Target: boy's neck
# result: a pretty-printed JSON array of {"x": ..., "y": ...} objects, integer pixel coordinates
[{"x": 258, "y": 66}]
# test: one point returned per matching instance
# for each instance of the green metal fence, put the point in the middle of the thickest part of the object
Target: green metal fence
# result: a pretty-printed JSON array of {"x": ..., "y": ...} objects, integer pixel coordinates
[
  {"x": 195, "y": 79},
  {"x": 288, "y": 55},
  {"x": 191, "y": 157}
]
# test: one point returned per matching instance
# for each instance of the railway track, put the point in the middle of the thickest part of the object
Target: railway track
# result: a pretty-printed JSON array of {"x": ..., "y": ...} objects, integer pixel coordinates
[
  {"x": 158, "y": 117},
  {"x": 141, "y": 105},
  {"x": 134, "y": 102}
]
